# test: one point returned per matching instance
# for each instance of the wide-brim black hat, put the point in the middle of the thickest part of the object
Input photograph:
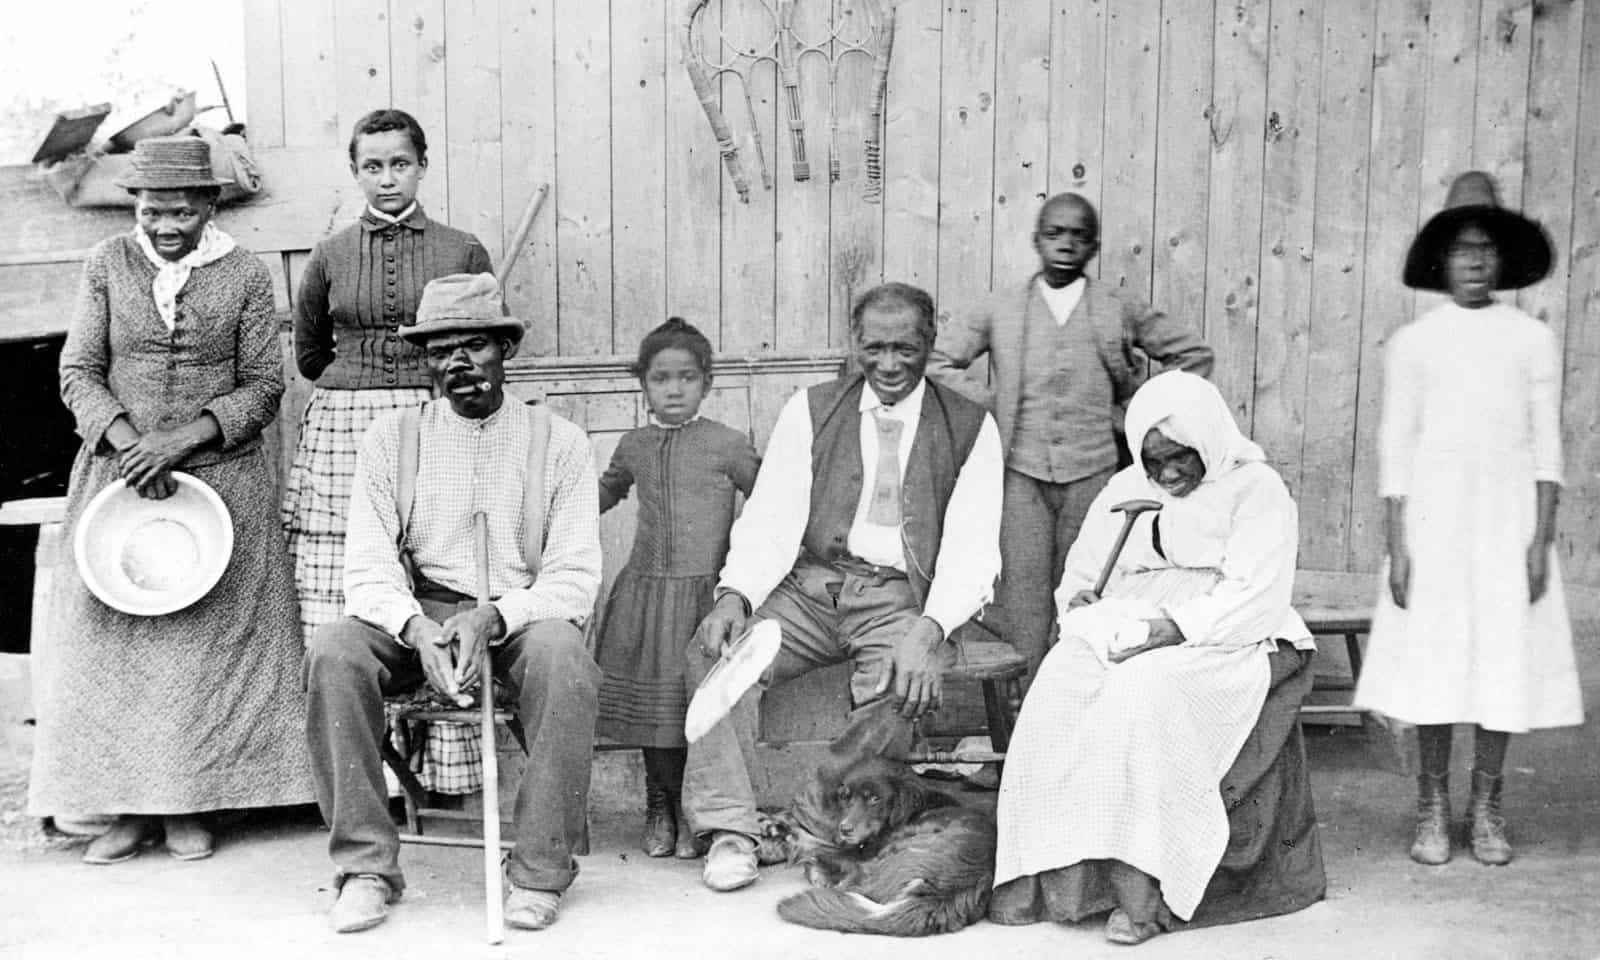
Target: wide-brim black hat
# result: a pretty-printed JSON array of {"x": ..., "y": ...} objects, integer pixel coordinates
[{"x": 1523, "y": 245}]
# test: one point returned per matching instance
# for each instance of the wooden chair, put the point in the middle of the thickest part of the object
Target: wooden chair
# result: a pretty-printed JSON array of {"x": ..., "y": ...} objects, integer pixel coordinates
[
  {"x": 408, "y": 715},
  {"x": 999, "y": 668}
]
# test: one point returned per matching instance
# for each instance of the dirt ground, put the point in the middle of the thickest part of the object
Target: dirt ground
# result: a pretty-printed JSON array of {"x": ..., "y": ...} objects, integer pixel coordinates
[{"x": 266, "y": 892}]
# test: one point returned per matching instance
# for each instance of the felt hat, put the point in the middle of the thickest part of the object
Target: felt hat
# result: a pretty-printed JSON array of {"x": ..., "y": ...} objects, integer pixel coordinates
[
  {"x": 170, "y": 163},
  {"x": 1523, "y": 245},
  {"x": 153, "y": 557},
  {"x": 461, "y": 302}
]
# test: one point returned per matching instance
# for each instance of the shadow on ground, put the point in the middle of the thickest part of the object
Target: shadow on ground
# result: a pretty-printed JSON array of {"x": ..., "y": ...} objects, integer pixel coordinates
[{"x": 267, "y": 890}]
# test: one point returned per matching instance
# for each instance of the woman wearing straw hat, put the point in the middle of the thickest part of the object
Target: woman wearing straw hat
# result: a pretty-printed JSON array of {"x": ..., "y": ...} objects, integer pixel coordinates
[
  {"x": 1471, "y": 624},
  {"x": 172, "y": 363}
]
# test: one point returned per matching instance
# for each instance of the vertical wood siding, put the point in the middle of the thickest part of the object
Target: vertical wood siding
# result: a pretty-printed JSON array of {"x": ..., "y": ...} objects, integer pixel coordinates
[{"x": 1260, "y": 167}]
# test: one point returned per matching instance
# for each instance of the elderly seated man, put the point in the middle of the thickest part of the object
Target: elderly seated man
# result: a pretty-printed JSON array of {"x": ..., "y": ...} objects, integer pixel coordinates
[
  {"x": 532, "y": 474},
  {"x": 1157, "y": 773},
  {"x": 872, "y": 533}
]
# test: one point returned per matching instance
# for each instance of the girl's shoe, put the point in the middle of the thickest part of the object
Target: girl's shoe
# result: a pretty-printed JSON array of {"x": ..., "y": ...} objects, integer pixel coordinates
[
  {"x": 122, "y": 842},
  {"x": 1489, "y": 843},
  {"x": 187, "y": 838},
  {"x": 688, "y": 846},
  {"x": 1431, "y": 843},
  {"x": 660, "y": 826}
]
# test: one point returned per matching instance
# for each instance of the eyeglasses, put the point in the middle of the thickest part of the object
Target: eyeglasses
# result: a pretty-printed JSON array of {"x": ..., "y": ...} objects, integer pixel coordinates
[{"x": 1465, "y": 248}]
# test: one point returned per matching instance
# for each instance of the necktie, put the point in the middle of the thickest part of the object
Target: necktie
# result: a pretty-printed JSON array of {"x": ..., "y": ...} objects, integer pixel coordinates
[{"x": 885, "y": 506}]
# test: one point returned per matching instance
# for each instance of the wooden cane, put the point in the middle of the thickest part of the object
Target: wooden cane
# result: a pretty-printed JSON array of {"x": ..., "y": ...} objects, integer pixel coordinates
[
  {"x": 494, "y": 909},
  {"x": 521, "y": 236},
  {"x": 1130, "y": 510}
]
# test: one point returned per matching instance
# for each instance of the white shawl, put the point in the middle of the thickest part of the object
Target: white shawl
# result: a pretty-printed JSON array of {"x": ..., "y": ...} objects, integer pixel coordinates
[{"x": 171, "y": 275}]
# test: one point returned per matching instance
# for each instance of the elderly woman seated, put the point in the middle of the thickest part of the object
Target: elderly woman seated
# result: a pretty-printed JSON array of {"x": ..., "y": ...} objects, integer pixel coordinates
[{"x": 1157, "y": 770}]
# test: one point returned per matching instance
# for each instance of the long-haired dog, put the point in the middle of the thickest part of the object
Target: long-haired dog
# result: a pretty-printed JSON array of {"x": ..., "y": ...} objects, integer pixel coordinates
[{"x": 887, "y": 854}]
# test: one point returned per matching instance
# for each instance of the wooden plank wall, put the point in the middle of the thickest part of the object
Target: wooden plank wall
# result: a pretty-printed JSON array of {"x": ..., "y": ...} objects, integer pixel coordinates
[{"x": 1260, "y": 166}]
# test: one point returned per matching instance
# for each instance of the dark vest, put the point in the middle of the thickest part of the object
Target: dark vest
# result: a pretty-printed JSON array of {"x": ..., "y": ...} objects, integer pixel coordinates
[{"x": 947, "y": 430}]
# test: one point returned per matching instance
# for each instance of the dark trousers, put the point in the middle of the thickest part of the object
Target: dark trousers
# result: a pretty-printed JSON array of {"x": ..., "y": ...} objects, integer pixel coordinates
[
  {"x": 827, "y": 617},
  {"x": 352, "y": 665},
  {"x": 1039, "y": 521}
]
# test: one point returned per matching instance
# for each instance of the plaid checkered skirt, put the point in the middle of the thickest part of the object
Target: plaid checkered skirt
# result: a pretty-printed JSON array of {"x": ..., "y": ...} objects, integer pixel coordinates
[{"x": 316, "y": 503}]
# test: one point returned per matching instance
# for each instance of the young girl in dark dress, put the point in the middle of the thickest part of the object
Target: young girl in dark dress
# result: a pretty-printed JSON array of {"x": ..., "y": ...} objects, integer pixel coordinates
[{"x": 686, "y": 470}]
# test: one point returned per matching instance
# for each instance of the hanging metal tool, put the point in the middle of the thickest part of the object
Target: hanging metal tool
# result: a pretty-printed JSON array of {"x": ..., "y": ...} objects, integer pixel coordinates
[
  {"x": 874, "y": 43},
  {"x": 786, "y": 51},
  {"x": 703, "y": 70}
]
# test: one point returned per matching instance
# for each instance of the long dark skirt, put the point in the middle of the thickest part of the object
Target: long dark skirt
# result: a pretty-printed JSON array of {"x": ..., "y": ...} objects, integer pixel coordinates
[
  {"x": 1273, "y": 862},
  {"x": 644, "y": 638}
]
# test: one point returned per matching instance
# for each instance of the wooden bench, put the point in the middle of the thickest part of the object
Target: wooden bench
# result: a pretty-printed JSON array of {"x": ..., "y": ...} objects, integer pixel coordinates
[{"x": 1336, "y": 604}]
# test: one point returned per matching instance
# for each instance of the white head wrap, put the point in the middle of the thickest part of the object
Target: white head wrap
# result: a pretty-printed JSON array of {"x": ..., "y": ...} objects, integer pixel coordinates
[{"x": 1189, "y": 409}]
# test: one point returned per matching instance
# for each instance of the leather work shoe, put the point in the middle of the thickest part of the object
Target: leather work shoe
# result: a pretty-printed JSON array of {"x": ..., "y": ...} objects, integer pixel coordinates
[
  {"x": 731, "y": 862},
  {"x": 1489, "y": 842},
  {"x": 187, "y": 838},
  {"x": 687, "y": 846},
  {"x": 528, "y": 909},
  {"x": 1430, "y": 843},
  {"x": 660, "y": 825},
  {"x": 122, "y": 842},
  {"x": 1122, "y": 929},
  {"x": 363, "y": 903}
]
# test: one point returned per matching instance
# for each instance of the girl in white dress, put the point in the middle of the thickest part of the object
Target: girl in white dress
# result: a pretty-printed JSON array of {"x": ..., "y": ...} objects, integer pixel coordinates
[{"x": 1472, "y": 625}]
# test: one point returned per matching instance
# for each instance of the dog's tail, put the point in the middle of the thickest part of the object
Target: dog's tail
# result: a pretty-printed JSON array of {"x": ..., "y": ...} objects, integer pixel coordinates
[{"x": 913, "y": 916}]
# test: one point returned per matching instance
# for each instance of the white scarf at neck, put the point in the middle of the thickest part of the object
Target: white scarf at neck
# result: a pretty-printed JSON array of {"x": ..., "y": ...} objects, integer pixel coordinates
[{"x": 171, "y": 275}]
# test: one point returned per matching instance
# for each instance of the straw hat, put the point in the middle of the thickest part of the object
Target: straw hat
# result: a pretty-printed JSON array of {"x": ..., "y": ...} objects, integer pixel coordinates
[
  {"x": 153, "y": 557},
  {"x": 170, "y": 163},
  {"x": 461, "y": 302},
  {"x": 1523, "y": 245}
]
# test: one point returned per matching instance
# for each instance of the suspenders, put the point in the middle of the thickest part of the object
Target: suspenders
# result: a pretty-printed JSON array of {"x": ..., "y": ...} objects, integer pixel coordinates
[{"x": 533, "y": 493}]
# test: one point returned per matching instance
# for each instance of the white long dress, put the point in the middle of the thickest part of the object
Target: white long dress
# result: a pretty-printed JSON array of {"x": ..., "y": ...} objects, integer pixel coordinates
[
  {"x": 1471, "y": 420},
  {"x": 1124, "y": 762}
]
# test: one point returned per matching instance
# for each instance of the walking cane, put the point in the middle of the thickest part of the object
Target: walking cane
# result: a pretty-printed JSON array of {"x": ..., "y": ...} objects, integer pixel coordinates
[
  {"x": 1130, "y": 510},
  {"x": 494, "y": 910}
]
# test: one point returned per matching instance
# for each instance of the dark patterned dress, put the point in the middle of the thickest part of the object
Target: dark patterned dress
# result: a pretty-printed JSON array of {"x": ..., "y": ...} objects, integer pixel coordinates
[
  {"x": 202, "y": 709},
  {"x": 685, "y": 478}
]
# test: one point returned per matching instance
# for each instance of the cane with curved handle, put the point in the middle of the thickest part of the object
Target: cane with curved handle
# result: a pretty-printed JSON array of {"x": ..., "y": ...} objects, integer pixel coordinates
[{"x": 1130, "y": 510}]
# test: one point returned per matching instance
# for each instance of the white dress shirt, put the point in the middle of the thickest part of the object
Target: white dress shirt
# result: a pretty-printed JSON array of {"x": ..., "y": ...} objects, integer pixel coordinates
[
  {"x": 1063, "y": 301},
  {"x": 463, "y": 466},
  {"x": 767, "y": 536}
]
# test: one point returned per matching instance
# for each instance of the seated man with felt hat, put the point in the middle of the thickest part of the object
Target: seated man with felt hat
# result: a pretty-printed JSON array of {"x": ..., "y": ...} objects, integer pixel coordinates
[{"x": 409, "y": 585}]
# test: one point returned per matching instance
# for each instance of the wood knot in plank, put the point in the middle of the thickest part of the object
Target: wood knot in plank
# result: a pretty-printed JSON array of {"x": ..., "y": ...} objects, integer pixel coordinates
[{"x": 1508, "y": 27}]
